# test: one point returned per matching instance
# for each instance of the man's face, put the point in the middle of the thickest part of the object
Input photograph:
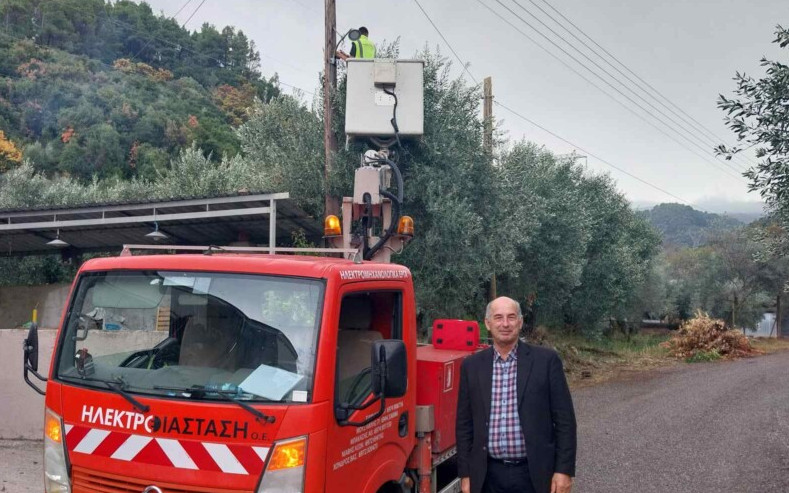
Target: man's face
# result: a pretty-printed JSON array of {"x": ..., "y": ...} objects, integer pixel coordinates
[{"x": 503, "y": 323}]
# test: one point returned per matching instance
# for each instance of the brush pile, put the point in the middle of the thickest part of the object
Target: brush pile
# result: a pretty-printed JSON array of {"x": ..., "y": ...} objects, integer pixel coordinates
[{"x": 703, "y": 335}]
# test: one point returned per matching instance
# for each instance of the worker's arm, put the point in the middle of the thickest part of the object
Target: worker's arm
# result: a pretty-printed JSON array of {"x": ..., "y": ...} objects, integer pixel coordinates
[{"x": 342, "y": 55}]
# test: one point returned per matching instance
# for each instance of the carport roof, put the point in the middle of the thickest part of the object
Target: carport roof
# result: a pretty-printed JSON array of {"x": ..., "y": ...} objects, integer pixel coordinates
[{"x": 256, "y": 218}]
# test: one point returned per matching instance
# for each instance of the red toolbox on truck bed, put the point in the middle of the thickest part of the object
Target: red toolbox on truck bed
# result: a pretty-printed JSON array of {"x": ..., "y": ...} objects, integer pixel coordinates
[{"x": 456, "y": 334}]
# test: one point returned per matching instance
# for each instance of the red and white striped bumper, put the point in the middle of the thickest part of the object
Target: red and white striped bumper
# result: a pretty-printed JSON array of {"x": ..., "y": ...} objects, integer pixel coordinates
[{"x": 168, "y": 452}]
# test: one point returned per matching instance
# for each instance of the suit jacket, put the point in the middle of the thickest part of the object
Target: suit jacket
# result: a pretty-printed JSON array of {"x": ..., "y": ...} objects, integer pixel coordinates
[{"x": 544, "y": 406}]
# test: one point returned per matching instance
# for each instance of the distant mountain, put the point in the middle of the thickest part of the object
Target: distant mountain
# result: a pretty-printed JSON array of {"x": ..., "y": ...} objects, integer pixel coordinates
[
  {"x": 682, "y": 225},
  {"x": 746, "y": 211}
]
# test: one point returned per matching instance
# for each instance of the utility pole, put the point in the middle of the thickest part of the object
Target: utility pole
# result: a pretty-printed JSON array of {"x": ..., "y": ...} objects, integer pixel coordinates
[
  {"x": 487, "y": 142},
  {"x": 329, "y": 86},
  {"x": 487, "y": 114}
]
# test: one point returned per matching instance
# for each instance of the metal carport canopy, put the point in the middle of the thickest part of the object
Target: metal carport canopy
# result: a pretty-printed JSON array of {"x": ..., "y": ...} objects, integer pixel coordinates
[{"x": 251, "y": 219}]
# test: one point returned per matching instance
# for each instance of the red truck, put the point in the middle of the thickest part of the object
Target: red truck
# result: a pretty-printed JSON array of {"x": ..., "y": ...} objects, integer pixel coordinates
[{"x": 247, "y": 372}]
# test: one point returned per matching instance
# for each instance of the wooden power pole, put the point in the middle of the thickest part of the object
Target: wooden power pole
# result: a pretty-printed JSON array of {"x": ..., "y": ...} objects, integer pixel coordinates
[
  {"x": 329, "y": 86},
  {"x": 487, "y": 114},
  {"x": 487, "y": 142}
]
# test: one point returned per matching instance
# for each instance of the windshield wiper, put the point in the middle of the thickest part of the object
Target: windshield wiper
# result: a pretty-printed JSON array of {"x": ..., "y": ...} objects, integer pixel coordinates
[
  {"x": 198, "y": 391},
  {"x": 119, "y": 387}
]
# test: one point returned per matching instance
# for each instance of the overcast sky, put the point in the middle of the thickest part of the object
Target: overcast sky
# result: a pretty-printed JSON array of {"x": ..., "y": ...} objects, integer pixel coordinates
[{"x": 687, "y": 50}]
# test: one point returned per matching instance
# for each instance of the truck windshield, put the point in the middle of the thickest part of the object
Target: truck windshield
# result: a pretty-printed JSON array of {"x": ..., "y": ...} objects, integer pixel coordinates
[{"x": 161, "y": 332}]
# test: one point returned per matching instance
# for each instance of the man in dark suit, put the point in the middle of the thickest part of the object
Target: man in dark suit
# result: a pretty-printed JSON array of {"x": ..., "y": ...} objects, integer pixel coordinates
[{"x": 516, "y": 427}]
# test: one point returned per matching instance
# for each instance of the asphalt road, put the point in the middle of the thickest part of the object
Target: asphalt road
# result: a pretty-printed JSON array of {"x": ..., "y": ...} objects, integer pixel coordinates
[
  {"x": 20, "y": 466},
  {"x": 711, "y": 427}
]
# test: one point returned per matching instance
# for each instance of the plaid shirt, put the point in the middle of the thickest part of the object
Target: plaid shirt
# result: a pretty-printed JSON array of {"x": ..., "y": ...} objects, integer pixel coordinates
[{"x": 505, "y": 437}]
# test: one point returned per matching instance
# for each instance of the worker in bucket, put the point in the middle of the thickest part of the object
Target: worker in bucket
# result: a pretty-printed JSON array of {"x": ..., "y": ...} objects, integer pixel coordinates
[{"x": 360, "y": 48}]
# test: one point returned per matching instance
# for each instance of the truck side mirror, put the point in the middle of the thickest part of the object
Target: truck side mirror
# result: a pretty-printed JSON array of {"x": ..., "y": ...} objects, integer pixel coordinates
[
  {"x": 31, "y": 347},
  {"x": 390, "y": 368},
  {"x": 30, "y": 358}
]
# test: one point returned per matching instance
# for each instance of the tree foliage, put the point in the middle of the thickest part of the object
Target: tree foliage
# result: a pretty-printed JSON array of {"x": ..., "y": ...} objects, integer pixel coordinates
[
  {"x": 735, "y": 277},
  {"x": 758, "y": 114},
  {"x": 89, "y": 88}
]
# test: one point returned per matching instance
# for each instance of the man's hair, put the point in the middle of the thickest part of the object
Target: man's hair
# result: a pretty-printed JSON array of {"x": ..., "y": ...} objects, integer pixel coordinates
[
  {"x": 363, "y": 31},
  {"x": 488, "y": 307}
]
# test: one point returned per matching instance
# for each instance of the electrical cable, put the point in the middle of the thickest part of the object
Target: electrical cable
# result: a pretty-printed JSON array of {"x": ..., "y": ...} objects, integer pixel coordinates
[
  {"x": 591, "y": 154},
  {"x": 149, "y": 40},
  {"x": 576, "y": 60},
  {"x": 714, "y": 164},
  {"x": 676, "y": 119},
  {"x": 193, "y": 13},
  {"x": 710, "y": 133},
  {"x": 651, "y": 185},
  {"x": 671, "y": 119},
  {"x": 465, "y": 66}
]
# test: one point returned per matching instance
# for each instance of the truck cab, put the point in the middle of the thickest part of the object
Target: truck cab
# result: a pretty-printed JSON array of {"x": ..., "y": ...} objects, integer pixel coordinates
[{"x": 233, "y": 373}]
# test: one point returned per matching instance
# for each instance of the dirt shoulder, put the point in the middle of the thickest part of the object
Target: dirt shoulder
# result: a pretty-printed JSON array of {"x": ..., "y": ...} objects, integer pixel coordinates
[{"x": 589, "y": 363}]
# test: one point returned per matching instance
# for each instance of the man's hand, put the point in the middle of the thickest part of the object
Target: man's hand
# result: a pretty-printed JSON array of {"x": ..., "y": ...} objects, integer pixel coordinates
[
  {"x": 465, "y": 485},
  {"x": 560, "y": 483},
  {"x": 342, "y": 55}
]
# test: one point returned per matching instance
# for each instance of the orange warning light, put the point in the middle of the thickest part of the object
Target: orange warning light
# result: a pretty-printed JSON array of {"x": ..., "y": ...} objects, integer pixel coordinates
[
  {"x": 405, "y": 226},
  {"x": 331, "y": 226}
]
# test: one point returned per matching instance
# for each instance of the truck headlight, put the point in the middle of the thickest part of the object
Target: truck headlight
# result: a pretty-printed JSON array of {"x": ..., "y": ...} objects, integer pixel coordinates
[
  {"x": 55, "y": 467},
  {"x": 284, "y": 472}
]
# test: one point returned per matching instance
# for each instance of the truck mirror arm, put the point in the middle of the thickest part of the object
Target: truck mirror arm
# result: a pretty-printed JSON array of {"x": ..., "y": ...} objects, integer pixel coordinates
[
  {"x": 347, "y": 408},
  {"x": 30, "y": 359}
]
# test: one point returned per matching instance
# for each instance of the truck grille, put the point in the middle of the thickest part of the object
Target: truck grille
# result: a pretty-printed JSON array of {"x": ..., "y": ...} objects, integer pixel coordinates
[{"x": 89, "y": 481}]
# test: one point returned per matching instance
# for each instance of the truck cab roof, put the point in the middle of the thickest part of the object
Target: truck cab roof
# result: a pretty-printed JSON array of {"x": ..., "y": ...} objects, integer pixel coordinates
[{"x": 290, "y": 265}]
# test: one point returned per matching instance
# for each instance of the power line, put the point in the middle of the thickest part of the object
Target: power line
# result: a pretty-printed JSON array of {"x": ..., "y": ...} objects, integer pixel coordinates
[
  {"x": 707, "y": 130},
  {"x": 193, "y": 14},
  {"x": 631, "y": 175},
  {"x": 616, "y": 89},
  {"x": 171, "y": 17},
  {"x": 714, "y": 164},
  {"x": 463, "y": 64},
  {"x": 680, "y": 123}
]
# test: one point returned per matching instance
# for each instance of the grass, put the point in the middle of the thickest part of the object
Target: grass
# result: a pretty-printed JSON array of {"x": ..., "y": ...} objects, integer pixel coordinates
[
  {"x": 592, "y": 361},
  {"x": 704, "y": 356},
  {"x": 770, "y": 344}
]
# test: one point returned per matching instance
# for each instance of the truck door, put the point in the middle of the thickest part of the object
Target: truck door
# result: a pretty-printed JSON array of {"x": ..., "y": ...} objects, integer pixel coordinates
[{"x": 361, "y": 457}]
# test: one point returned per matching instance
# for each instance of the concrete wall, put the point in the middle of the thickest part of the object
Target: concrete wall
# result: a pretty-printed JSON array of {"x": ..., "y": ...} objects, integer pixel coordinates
[
  {"x": 21, "y": 408},
  {"x": 17, "y": 303}
]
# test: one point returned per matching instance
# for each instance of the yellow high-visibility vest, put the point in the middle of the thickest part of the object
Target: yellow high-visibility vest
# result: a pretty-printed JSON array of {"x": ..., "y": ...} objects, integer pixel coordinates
[{"x": 364, "y": 47}]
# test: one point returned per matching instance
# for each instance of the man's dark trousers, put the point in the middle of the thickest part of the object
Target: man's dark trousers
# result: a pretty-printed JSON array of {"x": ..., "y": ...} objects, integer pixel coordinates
[{"x": 507, "y": 478}]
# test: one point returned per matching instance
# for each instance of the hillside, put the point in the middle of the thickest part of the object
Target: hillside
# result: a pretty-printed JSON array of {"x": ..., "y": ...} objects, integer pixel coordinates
[
  {"x": 112, "y": 90},
  {"x": 682, "y": 225}
]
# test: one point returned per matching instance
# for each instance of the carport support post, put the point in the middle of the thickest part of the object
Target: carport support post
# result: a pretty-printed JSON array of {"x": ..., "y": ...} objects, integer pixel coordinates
[{"x": 272, "y": 227}]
